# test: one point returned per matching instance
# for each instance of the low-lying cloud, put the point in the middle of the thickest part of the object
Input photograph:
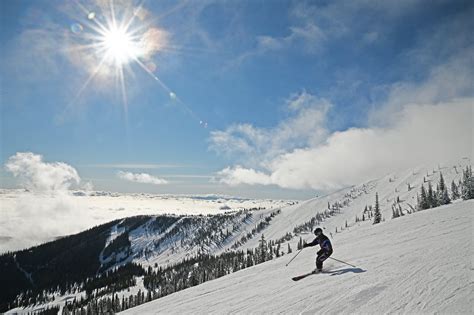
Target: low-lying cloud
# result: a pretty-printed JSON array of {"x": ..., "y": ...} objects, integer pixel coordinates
[
  {"x": 48, "y": 209},
  {"x": 142, "y": 178}
]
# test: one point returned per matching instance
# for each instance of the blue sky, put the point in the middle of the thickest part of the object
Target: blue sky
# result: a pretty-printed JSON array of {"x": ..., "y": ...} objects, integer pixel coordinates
[{"x": 258, "y": 98}]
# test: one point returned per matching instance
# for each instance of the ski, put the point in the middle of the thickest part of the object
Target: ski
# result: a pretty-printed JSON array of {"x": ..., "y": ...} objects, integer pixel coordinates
[{"x": 297, "y": 278}]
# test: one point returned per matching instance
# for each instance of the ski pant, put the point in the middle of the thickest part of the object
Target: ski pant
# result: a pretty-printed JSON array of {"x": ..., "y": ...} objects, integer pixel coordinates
[{"x": 322, "y": 256}]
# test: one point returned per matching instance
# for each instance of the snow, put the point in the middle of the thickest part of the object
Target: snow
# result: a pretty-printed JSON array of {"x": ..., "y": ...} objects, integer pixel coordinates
[
  {"x": 418, "y": 263},
  {"x": 388, "y": 188},
  {"x": 415, "y": 263}
]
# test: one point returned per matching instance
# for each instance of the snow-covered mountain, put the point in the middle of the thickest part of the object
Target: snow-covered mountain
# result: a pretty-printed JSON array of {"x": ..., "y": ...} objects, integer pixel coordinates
[
  {"x": 160, "y": 243},
  {"x": 415, "y": 264}
]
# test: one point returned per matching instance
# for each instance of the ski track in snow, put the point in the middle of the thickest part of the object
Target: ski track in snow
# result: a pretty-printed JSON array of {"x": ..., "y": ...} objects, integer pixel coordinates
[{"x": 414, "y": 264}]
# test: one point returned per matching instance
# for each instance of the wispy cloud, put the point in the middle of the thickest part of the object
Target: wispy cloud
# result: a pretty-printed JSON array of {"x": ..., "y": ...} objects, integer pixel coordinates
[
  {"x": 191, "y": 176},
  {"x": 314, "y": 27},
  {"x": 309, "y": 37},
  {"x": 305, "y": 125},
  {"x": 136, "y": 166},
  {"x": 142, "y": 178}
]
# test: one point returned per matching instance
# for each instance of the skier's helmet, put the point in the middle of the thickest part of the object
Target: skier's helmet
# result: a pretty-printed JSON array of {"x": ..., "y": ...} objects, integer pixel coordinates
[{"x": 318, "y": 231}]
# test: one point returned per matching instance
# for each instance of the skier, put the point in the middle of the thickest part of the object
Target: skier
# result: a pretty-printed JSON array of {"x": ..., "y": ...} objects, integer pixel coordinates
[{"x": 326, "y": 248}]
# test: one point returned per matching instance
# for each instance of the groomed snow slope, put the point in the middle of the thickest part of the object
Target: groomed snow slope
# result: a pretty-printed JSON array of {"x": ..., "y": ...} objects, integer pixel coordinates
[{"x": 419, "y": 263}]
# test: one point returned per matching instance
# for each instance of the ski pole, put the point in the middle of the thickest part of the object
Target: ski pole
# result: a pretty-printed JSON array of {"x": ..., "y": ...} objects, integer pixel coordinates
[
  {"x": 343, "y": 262},
  {"x": 293, "y": 257}
]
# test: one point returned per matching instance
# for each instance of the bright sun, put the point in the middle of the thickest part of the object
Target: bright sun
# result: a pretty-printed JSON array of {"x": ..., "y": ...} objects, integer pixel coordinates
[
  {"x": 119, "y": 46},
  {"x": 114, "y": 42}
]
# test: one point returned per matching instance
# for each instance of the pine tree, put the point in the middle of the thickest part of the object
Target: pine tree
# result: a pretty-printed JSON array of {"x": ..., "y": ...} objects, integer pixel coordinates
[
  {"x": 470, "y": 186},
  {"x": 377, "y": 214},
  {"x": 394, "y": 212},
  {"x": 454, "y": 191},
  {"x": 446, "y": 200},
  {"x": 262, "y": 250},
  {"x": 431, "y": 196},
  {"x": 467, "y": 188},
  {"x": 400, "y": 211},
  {"x": 442, "y": 193},
  {"x": 289, "y": 249},
  {"x": 442, "y": 186},
  {"x": 423, "y": 201}
]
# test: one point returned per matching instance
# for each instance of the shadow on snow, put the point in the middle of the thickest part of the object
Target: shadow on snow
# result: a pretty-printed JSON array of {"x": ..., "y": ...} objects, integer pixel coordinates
[{"x": 346, "y": 270}]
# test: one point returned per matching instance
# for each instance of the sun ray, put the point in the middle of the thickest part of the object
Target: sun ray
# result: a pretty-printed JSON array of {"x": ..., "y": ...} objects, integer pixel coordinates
[
  {"x": 124, "y": 92},
  {"x": 84, "y": 86},
  {"x": 170, "y": 92},
  {"x": 118, "y": 38},
  {"x": 134, "y": 15}
]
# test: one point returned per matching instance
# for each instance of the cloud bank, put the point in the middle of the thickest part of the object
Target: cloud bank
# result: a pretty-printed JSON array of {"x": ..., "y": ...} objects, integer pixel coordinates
[
  {"x": 142, "y": 178},
  {"x": 422, "y": 134}
]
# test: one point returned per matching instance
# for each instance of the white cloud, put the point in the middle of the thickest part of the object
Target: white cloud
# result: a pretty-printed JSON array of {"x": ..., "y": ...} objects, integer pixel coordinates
[
  {"x": 311, "y": 36},
  {"x": 36, "y": 174},
  {"x": 238, "y": 175},
  {"x": 34, "y": 218},
  {"x": 422, "y": 134},
  {"x": 308, "y": 36},
  {"x": 450, "y": 80},
  {"x": 137, "y": 166},
  {"x": 428, "y": 121},
  {"x": 304, "y": 126},
  {"x": 266, "y": 43},
  {"x": 48, "y": 209},
  {"x": 141, "y": 178}
]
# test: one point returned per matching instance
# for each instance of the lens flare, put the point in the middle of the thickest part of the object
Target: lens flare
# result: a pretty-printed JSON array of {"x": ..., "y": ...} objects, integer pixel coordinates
[{"x": 76, "y": 28}]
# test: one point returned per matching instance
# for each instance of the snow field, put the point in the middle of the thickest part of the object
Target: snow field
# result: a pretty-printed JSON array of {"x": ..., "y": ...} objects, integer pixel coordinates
[{"x": 414, "y": 264}]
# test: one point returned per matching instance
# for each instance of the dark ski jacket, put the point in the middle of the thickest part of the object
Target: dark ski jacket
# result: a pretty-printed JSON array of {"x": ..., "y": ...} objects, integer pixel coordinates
[{"x": 323, "y": 241}]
